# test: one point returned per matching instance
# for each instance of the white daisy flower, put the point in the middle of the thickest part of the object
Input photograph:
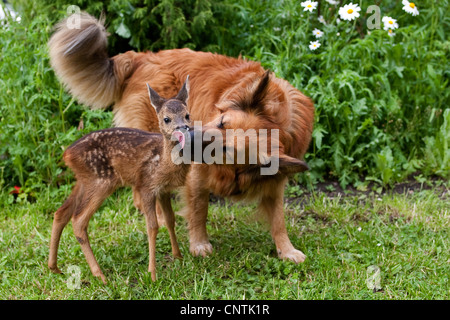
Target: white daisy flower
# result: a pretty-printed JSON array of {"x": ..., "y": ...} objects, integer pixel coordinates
[
  {"x": 317, "y": 33},
  {"x": 349, "y": 12},
  {"x": 410, "y": 7},
  {"x": 333, "y": 2},
  {"x": 309, "y": 5},
  {"x": 321, "y": 20},
  {"x": 391, "y": 33},
  {"x": 313, "y": 45},
  {"x": 389, "y": 23}
]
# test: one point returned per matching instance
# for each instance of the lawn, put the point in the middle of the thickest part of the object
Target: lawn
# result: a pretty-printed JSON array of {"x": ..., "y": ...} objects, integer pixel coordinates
[{"x": 403, "y": 235}]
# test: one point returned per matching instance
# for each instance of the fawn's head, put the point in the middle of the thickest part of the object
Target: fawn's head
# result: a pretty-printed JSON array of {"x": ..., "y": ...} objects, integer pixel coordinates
[{"x": 173, "y": 116}]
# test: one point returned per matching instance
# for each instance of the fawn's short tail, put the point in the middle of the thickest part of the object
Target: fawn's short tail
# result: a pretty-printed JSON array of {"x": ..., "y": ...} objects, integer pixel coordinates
[{"x": 78, "y": 54}]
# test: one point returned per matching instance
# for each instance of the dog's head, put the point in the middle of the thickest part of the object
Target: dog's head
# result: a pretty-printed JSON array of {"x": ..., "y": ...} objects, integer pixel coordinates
[{"x": 245, "y": 134}]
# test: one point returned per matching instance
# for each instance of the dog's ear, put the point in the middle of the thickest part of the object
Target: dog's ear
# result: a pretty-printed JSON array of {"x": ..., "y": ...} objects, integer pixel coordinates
[
  {"x": 261, "y": 90},
  {"x": 290, "y": 165},
  {"x": 286, "y": 165},
  {"x": 253, "y": 101},
  {"x": 183, "y": 95},
  {"x": 282, "y": 164},
  {"x": 156, "y": 101}
]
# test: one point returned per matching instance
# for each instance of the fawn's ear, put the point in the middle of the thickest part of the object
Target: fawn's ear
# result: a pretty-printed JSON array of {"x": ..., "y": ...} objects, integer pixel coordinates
[
  {"x": 183, "y": 95},
  {"x": 156, "y": 101}
]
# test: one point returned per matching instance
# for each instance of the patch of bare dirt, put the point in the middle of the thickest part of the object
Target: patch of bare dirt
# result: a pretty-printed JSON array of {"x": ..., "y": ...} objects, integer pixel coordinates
[{"x": 332, "y": 189}]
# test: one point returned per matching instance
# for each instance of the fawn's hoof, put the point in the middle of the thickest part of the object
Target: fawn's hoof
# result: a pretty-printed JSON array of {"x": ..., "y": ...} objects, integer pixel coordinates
[
  {"x": 54, "y": 269},
  {"x": 153, "y": 275},
  {"x": 178, "y": 256},
  {"x": 103, "y": 278}
]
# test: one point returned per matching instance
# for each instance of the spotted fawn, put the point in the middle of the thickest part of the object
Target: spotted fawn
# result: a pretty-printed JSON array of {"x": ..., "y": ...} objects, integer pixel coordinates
[{"x": 105, "y": 160}]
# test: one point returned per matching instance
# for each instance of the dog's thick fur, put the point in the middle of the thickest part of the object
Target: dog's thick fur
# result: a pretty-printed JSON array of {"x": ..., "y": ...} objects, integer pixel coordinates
[{"x": 221, "y": 88}]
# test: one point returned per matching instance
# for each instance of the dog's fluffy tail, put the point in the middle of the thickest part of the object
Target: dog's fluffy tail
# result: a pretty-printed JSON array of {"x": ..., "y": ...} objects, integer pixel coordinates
[{"x": 80, "y": 59}]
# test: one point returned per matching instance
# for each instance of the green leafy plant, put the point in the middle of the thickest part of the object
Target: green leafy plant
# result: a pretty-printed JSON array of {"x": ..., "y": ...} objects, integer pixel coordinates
[
  {"x": 381, "y": 101},
  {"x": 143, "y": 24},
  {"x": 437, "y": 149},
  {"x": 37, "y": 118},
  {"x": 373, "y": 92}
]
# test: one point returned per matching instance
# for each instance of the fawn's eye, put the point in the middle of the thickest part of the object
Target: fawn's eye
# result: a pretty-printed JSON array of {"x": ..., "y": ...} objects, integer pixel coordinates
[
  {"x": 187, "y": 117},
  {"x": 167, "y": 120}
]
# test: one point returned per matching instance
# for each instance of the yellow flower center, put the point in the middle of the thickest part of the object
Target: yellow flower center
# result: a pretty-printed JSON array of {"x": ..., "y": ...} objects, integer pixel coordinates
[
  {"x": 391, "y": 22},
  {"x": 390, "y": 31},
  {"x": 412, "y": 5},
  {"x": 309, "y": 6},
  {"x": 350, "y": 11}
]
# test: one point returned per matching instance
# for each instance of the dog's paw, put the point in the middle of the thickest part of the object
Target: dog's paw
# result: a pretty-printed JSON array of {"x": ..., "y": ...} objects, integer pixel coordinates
[
  {"x": 202, "y": 249},
  {"x": 293, "y": 255}
]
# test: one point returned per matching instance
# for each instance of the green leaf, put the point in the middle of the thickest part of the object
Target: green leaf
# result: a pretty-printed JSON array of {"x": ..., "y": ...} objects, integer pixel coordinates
[
  {"x": 318, "y": 134},
  {"x": 123, "y": 31}
]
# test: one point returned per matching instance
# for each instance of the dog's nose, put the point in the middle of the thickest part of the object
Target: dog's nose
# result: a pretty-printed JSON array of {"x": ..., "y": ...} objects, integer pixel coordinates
[
  {"x": 192, "y": 136},
  {"x": 183, "y": 127},
  {"x": 196, "y": 141},
  {"x": 198, "y": 144}
]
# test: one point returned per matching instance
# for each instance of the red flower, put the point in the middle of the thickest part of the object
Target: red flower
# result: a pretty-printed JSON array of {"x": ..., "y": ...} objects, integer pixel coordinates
[{"x": 16, "y": 190}]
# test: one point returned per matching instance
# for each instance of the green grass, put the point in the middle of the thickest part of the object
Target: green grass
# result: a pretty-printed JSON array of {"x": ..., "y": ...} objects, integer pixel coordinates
[{"x": 405, "y": 235}]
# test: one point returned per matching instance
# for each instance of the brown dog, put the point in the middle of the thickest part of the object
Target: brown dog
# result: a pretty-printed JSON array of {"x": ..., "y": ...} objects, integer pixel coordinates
[
  {"x": 107, "y": 159},
  {"x": 226, "y": 92}
]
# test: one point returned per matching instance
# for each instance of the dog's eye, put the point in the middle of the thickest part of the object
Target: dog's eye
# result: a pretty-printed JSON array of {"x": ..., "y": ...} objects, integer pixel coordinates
[
  {"x": 167, "y": 120},
  {"x": 221, "y": 124},
  {"x": 187, "y": 117}
]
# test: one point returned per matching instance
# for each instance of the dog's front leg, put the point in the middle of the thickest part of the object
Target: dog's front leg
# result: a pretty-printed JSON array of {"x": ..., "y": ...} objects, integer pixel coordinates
[
  {"x": 272, "y": 208},
  {"x": 197, "y": 199}
]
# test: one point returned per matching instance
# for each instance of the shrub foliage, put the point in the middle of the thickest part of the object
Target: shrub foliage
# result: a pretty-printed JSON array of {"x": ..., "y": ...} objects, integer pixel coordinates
[{"x": 382, "y": 103}]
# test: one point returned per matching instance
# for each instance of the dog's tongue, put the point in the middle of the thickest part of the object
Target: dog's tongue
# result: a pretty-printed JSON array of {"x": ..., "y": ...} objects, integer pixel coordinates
[{"x": 180, "y": 137}]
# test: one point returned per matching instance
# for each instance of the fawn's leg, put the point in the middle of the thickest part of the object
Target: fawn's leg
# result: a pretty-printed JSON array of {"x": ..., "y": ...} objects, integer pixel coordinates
[
  {"x": 169, "y": 217},
  {"x": 93, "y": 198},
  {"x": 138, "y": 204},
  {"x": 149, "y": 210},
  {"x": 62, "y": 217},
  {"x": 272, "y": 207}
]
